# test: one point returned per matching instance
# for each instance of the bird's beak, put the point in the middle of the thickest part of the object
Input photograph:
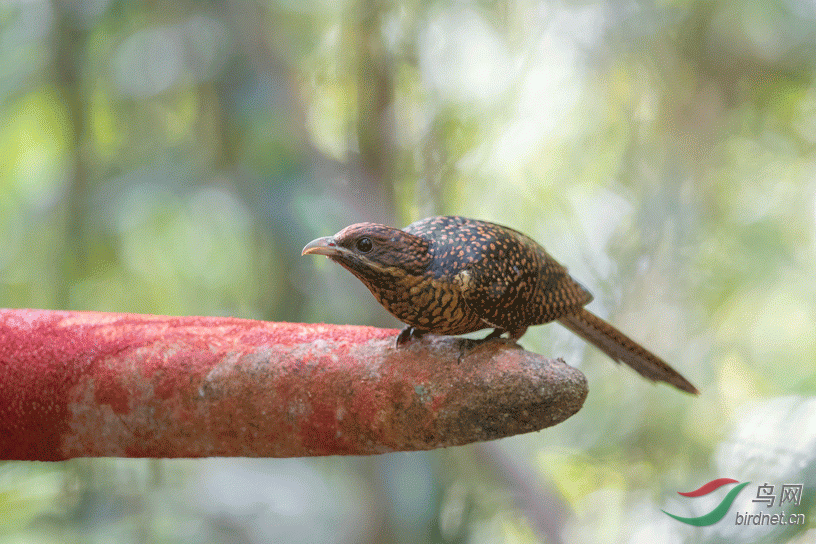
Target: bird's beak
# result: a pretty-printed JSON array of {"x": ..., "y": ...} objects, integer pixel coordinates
[{"x": 322, "y": 246}]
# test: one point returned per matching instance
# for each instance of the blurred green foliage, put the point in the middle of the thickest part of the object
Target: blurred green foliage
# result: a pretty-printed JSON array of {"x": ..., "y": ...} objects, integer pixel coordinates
[{"x": 174, "y": 157}]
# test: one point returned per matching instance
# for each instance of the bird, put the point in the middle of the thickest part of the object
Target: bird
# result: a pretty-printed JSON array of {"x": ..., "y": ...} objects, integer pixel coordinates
[{"x": 451, "y": 275}]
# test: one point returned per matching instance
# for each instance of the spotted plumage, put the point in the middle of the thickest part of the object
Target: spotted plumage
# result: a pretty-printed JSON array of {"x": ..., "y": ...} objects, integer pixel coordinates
[{"x": 454, "y": 275}]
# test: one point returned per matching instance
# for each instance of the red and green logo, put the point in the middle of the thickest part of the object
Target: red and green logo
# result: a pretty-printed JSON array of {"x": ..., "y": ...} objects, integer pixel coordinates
[{"x": 720, "y": 511}]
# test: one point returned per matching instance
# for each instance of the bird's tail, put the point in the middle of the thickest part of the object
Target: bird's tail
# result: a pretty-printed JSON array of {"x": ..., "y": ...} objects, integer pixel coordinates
[{"x": 623, "y": 349}]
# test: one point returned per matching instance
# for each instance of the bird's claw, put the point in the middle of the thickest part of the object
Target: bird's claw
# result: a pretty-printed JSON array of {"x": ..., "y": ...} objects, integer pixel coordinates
[
  {"x": 407, "y": 334},
  {"x": 495, "y": 334}
]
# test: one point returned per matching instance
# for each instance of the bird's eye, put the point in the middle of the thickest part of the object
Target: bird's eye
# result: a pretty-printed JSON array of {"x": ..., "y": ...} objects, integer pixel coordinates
[{"x": 364, "y": 245}]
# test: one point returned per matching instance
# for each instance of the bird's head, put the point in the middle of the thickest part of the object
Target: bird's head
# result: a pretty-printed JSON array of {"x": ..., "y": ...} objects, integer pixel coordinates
[{"x": 373, "y": 252}]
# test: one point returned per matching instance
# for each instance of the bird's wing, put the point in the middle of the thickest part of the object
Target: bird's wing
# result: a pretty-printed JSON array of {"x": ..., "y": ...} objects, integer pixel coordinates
[
  {"x": 497, "y": 289},
  {"x": 526, "y": 288}
]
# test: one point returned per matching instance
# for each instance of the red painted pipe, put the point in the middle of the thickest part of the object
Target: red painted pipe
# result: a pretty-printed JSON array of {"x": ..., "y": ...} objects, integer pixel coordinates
[{"x": 84, "y": 384}]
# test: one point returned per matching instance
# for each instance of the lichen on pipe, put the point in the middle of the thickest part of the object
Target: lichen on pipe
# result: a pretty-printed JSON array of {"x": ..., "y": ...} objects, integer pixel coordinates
[{"x": 93, "y": 384}]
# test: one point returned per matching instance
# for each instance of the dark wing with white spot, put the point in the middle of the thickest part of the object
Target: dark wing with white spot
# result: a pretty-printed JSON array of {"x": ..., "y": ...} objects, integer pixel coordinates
[
  {"x": 516, "y": 283},
  {"x": 506, "y": 278},
  {"x": 501, "y": 283}
]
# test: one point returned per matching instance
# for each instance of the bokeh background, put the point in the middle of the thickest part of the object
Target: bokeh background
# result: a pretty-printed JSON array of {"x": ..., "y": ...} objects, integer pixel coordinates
[{"x": 174, "y": 157}]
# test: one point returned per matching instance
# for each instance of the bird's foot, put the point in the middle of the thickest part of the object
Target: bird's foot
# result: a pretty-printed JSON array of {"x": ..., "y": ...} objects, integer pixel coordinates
[
  {"x": 472, "y": 343},
  {"x": 512, "y": 337},
  {"x": 495, "y": 334},
  {"x": 408, "y": 334}
]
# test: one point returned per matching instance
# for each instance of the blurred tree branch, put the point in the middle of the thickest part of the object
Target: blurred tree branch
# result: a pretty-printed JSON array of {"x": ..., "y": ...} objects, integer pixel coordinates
[
  {"x": 375, "y": 93},
  {"x": 68, "y": 44},
  {"x": 545, "y": 508}
]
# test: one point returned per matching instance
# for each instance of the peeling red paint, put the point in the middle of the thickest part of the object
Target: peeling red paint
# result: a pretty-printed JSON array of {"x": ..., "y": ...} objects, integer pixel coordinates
[
  {"x": 111, "y": 392},
  {"x": 75, "y": 384}
]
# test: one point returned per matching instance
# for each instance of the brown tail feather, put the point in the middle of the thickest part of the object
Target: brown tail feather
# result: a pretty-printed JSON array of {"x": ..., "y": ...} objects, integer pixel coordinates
[{"x": 623, "y": 349}]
